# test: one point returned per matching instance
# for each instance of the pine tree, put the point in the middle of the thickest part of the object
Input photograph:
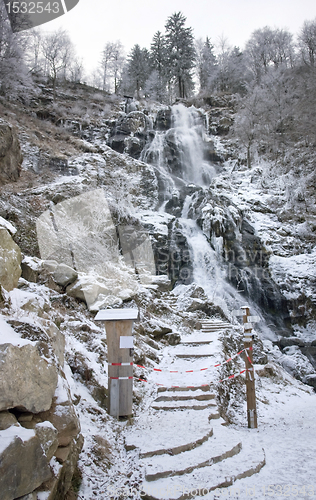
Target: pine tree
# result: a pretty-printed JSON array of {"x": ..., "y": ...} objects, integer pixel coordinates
[
  {"x": 138, "y": 68},
  {"x": 156, "y": 85},
  {"x": 205, "y": 63},
  {"x": 179, "y": 43}
]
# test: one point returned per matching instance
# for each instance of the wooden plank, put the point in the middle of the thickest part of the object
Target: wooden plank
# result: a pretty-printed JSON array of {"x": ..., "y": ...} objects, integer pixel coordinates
[
  {"x": 120, "y": 391},
  {"x": 117, "y": 314},
  {"x": 126, "y": 397},
  {"x": 114, "y": 395}
]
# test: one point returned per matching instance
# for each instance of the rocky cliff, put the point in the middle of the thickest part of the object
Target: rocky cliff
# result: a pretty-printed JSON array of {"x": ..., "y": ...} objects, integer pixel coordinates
[{"x": 120, "y": 209}]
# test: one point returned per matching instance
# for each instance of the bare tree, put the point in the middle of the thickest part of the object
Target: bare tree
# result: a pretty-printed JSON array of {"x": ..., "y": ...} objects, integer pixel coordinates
[
  {"x": 266, "y": 48},
  {"x": 14, "y": 77},
  {"x": 58, "y": 53},
  {"x": 307, "y": 42}
]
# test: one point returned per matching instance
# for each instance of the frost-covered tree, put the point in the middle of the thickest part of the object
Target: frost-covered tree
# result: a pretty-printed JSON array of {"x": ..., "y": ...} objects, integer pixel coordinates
[
  {"x": 33, "y": 53},
  {"x": 206, "y": 63},
  {"x": 232, "y": 74},
  {"x": 106, "y": 56},
  {"x": 58, "y": 53},
  {"x": 14, "y": 77},
  {"x": 111, "y": 65},
  {"x": 307, "y": 42},
  {"x": 266, "y": 48},
  {"x": 180, "y": 51},
  {"x": 117, "y": 63}
]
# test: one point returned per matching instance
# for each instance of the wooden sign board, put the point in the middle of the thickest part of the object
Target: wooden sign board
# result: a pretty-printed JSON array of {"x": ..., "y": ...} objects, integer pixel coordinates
[
  {"x": 238, "y": 312},
  {"x": 253, "y": 319}
]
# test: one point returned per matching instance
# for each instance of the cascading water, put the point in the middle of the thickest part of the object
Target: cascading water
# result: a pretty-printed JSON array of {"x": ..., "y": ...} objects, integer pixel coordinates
[
  {"x": 189, "y": 128},
  {"x": 184, "y": 177},
  {"x": 178, "y": 153}
]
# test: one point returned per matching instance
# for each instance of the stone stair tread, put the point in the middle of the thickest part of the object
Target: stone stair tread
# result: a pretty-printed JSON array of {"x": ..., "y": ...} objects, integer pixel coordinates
[
  {"x": 155, "y": 433},
  {"x": 210, "y": 452},
  {"x": 197, "y": 340},
  {"x": 249, "y": 461},
  {"x": 175, "y": 450},
  {"x": 183, "y": 405},
  {"x": 208, "y": 329},
  {"x": 204, "y": 388},
  {"x": 186, "y": 395},
  {"x": 194, "y": 354}
]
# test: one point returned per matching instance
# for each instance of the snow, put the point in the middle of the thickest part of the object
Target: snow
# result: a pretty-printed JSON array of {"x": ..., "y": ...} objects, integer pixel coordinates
[
  {"x": 61, "y": 393},
  {"x": 9, "y": 435},
  {"x": 286, "y": 407},
  {"x": 9, "y": 336},
  {"x": 7, "y": 225}
]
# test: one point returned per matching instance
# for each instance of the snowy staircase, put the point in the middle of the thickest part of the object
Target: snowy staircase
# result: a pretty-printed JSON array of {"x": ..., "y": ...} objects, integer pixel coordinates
[
  {"x": 198, "y": 472},
  {"x": 197, "y": 343},
  {"x": 184, "y": 453},
  {"x": 210, "y": 326},
  {"x": 185, "y": 398}
]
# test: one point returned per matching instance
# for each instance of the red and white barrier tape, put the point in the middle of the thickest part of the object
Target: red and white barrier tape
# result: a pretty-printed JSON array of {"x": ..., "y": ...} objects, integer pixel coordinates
[
  {"x": 120, "y": 364},
  {"x": 200, "y": 369},
  {"x": 121, "y": 378}
]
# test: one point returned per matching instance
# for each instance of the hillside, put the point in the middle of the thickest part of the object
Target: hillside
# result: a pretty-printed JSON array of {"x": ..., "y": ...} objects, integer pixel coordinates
[{"x": 120, "y": 203}]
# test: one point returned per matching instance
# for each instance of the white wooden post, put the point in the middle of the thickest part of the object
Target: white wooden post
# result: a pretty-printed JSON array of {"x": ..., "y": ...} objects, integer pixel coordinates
[{"x": 118, "y": 326}]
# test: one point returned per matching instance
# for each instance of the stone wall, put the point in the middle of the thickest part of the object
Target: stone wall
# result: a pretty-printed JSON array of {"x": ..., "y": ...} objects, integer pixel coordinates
[{"x": 40, "y": 438}]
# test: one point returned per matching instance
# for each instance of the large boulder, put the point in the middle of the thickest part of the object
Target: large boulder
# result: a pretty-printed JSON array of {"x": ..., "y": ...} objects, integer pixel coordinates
[
  {"x": 10, "y": 153},
  {"x": 23, "y": 464},
  {"x": 62, "y": 415},
  {"x": 10, "y": 261},
  {"x": 27, "y": 381}
]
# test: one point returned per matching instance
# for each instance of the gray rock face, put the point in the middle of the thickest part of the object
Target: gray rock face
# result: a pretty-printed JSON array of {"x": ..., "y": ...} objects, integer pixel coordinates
[
  {"x": 10, "y": 154},
  {"x": 64, "y": 275},
  {"x": 47, "y": 434},
  {"x": 23, "y": 465},
  {"x": 6, "y": 420},
  {"x": 10, "y": 261},
  {"x": 27, "y": 381},
  {"x": 133, "y": 126}
]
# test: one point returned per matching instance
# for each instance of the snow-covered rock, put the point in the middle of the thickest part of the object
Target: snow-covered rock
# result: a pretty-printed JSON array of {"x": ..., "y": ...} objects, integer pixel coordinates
[
  {"x": 23, "y": 464},
  {"x": 27, "y": 380}
]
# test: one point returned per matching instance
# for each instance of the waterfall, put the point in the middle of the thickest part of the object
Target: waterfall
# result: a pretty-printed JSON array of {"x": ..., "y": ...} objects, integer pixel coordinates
[
  {"x": 189, "y": 126},
  {"x": 178, "y": 153}
]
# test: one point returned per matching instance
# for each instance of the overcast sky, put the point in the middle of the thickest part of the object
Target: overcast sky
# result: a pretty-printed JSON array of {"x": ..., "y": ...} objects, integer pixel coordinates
[{"x": 92, "y": 23}]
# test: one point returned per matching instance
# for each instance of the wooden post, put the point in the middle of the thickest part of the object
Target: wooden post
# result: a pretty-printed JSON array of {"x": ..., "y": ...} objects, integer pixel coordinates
[
  {"x": 118, "y": 326},
  {"x": 250, "y": 373}
]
